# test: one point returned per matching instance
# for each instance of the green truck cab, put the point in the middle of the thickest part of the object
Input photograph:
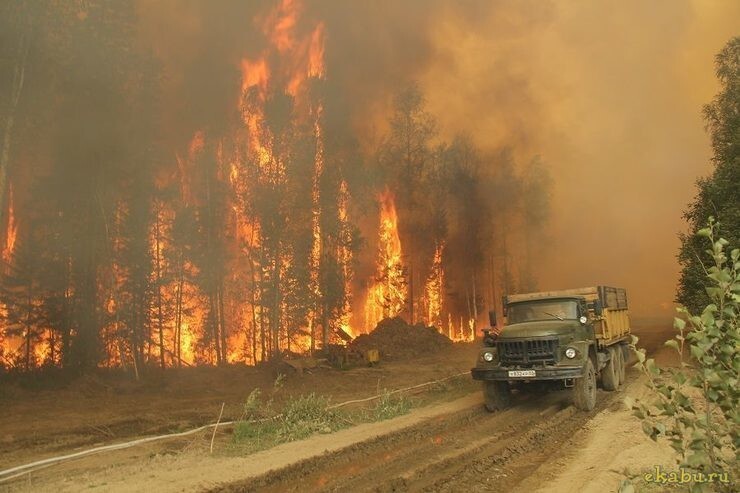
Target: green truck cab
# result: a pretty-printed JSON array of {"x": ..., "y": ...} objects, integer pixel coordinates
[{"x": 575, "y": 338}]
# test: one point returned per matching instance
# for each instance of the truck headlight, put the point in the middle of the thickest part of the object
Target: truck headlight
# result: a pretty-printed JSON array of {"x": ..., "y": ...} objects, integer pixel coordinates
[
  {"x": 570, "y": 353},
  {"x": 488, "y": 356}
]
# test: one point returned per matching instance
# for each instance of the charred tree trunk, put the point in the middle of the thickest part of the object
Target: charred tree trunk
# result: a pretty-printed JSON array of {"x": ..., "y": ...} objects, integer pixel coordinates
[
  {"x": 28, "y": 328},
  {"x": 276, "y": 318},
  {"x": 475, "y": 300},
  {"x": 66, "y": 312},
  {"x": 325, "y": 328},
  {"x": 213, "y": 322},
  {"x": 16, "y": 90},
  {"x": 411, "y": 292},
  {"x": 178, "y": 309},
  {"x": 134, "y": 340},
  {"x": 52, "y": 348},
  {"x": 506, "y": 280},
  {"x": 222, "y": 323},
  {"x": 158, "y": 268},
  {"x": 253, "y": 296},
  {"x": 263, "y": 336}
]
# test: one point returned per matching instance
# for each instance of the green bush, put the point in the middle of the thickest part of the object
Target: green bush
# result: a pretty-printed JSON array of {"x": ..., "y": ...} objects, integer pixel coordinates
[
  {"x": 696, "y": 406},
  {"x": 389, "y": 406},
  {"x": 302, "y": 416}
]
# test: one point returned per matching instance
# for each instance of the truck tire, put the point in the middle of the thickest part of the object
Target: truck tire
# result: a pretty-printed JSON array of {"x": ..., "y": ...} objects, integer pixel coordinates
[
  {"x": 621, "y": 371},
  {"x": 610, "y": 373},
  {"x": 497, "y": 395},
  {"x": 584, "y": 388}
]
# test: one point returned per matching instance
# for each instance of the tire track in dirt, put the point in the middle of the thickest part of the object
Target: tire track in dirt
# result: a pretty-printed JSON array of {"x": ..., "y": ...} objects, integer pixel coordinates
[{"x": 469, "y": 449}]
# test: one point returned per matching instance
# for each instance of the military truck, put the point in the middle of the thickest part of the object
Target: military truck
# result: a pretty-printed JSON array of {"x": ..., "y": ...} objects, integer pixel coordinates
[{"x": 571, "y": 339}]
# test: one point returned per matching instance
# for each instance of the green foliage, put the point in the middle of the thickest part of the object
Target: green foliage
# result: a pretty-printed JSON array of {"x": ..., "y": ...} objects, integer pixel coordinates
[
  {"x": 261, "y": 426},
  {"x": 719, "y": 194},
  {"x": 253, "y": 406},
  {"x": 389, "y": 406},
  {"x": 301, "y": 417},
  {"x": 696, "y": 406}
]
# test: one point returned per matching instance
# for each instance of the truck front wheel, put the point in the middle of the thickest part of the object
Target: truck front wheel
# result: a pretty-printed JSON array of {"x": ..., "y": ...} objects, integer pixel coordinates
[
  {"x": 584, "y": 389},
  {"x": 497, "y": 395}
]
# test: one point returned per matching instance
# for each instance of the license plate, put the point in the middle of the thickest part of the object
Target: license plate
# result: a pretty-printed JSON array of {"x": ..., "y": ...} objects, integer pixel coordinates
[{"x": 521, "y": 373}]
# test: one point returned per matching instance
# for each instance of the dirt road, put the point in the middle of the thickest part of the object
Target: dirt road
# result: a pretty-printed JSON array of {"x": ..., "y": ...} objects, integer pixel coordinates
[{"x": 468, "y": 450}]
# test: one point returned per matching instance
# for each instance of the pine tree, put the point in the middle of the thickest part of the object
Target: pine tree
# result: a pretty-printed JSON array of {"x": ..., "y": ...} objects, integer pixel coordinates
[{"x": 404, "y": 156}]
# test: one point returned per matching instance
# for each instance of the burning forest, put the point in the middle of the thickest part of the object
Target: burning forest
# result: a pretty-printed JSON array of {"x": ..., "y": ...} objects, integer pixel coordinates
[
  {"x": 265, "y": 224},
  {"x": 212, "y": 183}
]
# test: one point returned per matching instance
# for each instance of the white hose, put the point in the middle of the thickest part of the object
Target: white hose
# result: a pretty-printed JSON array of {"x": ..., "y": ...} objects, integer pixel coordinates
[{"x": 16, "y": 471}]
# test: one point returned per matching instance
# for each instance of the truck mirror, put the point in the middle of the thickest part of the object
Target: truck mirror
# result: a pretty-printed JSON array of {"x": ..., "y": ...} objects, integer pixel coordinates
[
  {"x": 488, "y": 338},
  {"x": 492, "y": 317},
  {"x": 598, "y": 309}
]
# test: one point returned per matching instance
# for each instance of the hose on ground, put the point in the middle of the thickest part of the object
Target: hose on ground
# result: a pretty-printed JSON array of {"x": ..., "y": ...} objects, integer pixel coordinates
[{"x": 13, "y": 472}]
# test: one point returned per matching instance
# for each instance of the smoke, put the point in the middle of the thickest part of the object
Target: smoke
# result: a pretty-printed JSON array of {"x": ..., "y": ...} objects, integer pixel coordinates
[{"x": 608, "y": 94}]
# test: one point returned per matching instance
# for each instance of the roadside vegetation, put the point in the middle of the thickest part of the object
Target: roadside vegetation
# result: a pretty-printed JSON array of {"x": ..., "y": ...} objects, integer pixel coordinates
[
  {"x": 718, "y": 194},
  {"x": 265, "y": 424},
  {"x": 695, "y": 406}
]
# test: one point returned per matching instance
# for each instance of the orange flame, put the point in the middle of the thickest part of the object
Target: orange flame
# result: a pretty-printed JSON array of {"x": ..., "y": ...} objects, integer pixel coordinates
[
  {"x": 315, "y": 257},
  {"x": 11, "y": 232},
  {"x": 433, "y": 295},
  {"x": 387, "y": 296},
  {"x": 299, "y": 58},
  {"x": 345, "y": 257}
]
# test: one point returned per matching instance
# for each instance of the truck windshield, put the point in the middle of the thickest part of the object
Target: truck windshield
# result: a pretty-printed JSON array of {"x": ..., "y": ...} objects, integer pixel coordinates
[{"x": 542, "y": 310}]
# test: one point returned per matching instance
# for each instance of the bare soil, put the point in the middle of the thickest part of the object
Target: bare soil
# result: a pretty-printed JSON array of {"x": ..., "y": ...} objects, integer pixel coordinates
[{"x": 541, "y": 443}]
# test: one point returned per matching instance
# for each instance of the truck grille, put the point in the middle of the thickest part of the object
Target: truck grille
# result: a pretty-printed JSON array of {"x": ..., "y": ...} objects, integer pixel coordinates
[{"x": 532, "y": 351}]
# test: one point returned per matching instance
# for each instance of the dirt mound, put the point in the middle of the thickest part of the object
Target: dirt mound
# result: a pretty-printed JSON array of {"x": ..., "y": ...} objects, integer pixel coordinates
[{"x": 395, "y": 339}]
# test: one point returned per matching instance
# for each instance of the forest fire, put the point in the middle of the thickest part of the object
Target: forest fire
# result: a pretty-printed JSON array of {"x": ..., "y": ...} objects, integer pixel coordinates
[
  {"x": 236, "y": 235},
  {"x": 250, "y": 288},
  {"x": 247, "y": 246},
  {"x": 433, "y": 296},
  {"x": 11, "y": 231},
  {"x": 386, "y": 297}
]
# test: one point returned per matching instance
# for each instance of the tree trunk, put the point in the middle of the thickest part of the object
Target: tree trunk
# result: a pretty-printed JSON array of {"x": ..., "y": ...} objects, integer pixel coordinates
[
  {"x": 263, "y": 336},
  {"x": 158, "y": 259},
  {"x": 475, "y": 308},
  {"x": 178, "y": 310},
  {"x": 213, "y": 315},
  {"x": 325, "y": 328},
  {"x": 411, "y": 292},
  {"x": 28, "y": 328},
  {"x": 19, "y": 76},
  {"x": 52, "y": 350},
  {"x": 505, "y": 252},
  {"x": 222, "y": 324},
  {"x": 276, "y": 309}
]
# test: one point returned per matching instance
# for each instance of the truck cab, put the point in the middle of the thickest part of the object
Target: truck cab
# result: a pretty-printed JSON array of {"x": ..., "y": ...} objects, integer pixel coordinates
[{"x": 568, "y": 339}]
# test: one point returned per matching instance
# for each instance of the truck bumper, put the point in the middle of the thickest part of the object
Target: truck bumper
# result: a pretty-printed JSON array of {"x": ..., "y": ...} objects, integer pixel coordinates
[{"x": 551, "y": 373}]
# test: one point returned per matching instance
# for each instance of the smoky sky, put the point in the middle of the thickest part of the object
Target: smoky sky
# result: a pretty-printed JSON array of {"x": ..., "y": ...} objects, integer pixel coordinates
[{"x": 608, "y": 94}]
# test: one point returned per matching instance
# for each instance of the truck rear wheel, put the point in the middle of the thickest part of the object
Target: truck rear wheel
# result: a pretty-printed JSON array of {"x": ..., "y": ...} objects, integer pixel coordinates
[
  {"x": 584, "y": 389},
  {"x": 610, "y": 373},
  {"x": 497, "y": 395},
  {"x": 621, "y": 371}
]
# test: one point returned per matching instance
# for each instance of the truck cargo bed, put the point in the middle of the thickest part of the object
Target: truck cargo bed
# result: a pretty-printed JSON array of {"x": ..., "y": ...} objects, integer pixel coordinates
[{"x": 612, "y": 326}]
